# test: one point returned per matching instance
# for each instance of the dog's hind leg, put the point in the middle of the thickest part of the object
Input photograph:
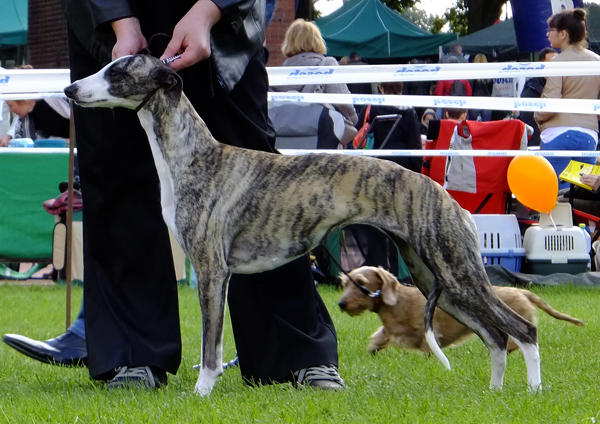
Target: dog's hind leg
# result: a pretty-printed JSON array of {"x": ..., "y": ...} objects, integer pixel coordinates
[
  {"x": 498, "y": 367},
  {"x": 212, "y": 290},
  {"x": 524, "y": 334},
  {"x": 531, "y": 352},
  {"x": 494, "y": 339}
]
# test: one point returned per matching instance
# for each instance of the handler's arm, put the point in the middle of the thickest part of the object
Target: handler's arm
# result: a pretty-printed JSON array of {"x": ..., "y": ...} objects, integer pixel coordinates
[{"x": 120, "y": 16}]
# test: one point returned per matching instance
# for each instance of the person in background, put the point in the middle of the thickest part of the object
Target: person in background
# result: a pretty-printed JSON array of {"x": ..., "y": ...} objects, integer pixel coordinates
[
  {"x": 428, "y": 115},
  {"x": 359, "y": 87},
  {"x": 6, "y": 122},
  {"x": 406, "y": 135},
  {"x": 452, "y": 88},
  {"x": 42, "y": 118},
  {"x": 303, "y": 45},
  {"x": 506, "y": 87},
  {"x": 569, "y": 131},
  {"x": 417, "y": 88},
  {"x": 458, "y": 115},
  {"x": 448, "y": 87},
  {"x": 456, "y": 51},
  {"x": 534, "y": 87},
  {"x": 481, "y": 88},
  {"x": 345, "y": 60}
]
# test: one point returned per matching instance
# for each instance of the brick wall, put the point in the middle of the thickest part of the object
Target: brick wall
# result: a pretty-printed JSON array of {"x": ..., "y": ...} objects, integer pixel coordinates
[
  {"x": 47, "y": 35},
  {"x": 282, "y": 18}
]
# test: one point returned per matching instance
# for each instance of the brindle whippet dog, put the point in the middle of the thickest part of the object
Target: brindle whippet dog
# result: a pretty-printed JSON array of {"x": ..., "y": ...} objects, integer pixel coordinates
[{"x": 253, "y": 211}]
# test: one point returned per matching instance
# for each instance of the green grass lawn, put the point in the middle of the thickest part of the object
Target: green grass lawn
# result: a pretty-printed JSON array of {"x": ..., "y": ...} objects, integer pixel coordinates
[{"x": 391, "y": 387}]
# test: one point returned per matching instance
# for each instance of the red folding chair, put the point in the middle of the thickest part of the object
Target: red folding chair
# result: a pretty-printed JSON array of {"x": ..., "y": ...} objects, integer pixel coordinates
[{"x": 478, "y": 184}]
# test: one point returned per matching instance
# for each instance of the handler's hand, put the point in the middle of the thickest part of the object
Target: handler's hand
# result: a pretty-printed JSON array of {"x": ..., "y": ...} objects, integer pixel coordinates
[
  {"x": 129, "y": 37},
  {"x": 4, "y": 140},
  {"x": 191, "y": 37}
]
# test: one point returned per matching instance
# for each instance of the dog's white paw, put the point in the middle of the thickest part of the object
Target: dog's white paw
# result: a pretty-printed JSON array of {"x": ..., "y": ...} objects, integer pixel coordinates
[
  {"x": 202, "y": 390},
  {"x": 206, "y": 381}
]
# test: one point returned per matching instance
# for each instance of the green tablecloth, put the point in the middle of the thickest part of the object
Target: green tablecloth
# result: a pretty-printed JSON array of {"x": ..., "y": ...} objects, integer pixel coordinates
[{"x": 27, "y": 179}]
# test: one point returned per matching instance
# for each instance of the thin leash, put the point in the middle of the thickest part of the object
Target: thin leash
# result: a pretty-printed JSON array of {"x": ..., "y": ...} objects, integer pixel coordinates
[
  {"x": 166, "y": 61},
  {"x": 363, "y": 289}
]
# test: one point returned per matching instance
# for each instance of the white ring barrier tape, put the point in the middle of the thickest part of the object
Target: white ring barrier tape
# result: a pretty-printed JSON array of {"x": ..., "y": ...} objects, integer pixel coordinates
[
  {"x": 20, "y": 84},
  {"x": 33, "y": 150},
  {"x": 492, "y": 103},
  {"x": 300, "y": 75},
  {"x": 473, "y": 153},
  {"x": 38, "y": 81}
]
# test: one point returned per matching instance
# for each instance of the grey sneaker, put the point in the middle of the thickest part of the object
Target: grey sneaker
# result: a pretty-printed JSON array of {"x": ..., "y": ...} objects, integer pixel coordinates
[
  {"x": 138, "y": 378},
  {"x": 324, "y": 377}
]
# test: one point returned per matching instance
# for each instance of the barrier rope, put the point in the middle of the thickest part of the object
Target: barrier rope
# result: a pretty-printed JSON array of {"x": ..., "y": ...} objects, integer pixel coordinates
[{"x": 472, "y": 153}]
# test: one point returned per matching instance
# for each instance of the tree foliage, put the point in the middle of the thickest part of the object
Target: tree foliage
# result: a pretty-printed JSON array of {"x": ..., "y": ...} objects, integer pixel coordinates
[
  {"x": 420, "y": 18},
  {"x": 399, "y": 5},
  {"x": 456, "y": 17},
  {"x": 482, "y": 13},
  {"x": 465, "y": 17}
]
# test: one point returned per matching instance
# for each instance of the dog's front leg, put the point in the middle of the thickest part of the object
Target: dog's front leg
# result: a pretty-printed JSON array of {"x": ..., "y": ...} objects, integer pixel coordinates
[
  {"x": 379, "y": 340},
  {"x": 212, "y": 288}
]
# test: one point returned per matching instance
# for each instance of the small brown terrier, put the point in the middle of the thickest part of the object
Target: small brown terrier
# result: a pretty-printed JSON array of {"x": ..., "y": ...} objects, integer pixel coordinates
[{"x": 401, "y": 310}]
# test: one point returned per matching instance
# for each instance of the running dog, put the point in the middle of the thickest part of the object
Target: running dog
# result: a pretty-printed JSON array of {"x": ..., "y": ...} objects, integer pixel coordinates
[
  {"x": 401, "y": 309},
  {"x": 241, "y": 211}
]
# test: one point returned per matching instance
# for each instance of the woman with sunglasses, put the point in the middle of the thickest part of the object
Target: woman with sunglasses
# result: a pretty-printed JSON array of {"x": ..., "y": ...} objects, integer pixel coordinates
[{"x": 569, "y": 131}]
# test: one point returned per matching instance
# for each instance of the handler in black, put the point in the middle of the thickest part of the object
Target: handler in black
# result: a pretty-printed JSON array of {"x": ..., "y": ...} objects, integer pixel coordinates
[{"x": 281, "y": 327}]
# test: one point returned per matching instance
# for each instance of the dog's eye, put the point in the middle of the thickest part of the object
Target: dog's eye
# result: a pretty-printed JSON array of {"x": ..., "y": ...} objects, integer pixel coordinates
[{"x": 114, "y": 71}]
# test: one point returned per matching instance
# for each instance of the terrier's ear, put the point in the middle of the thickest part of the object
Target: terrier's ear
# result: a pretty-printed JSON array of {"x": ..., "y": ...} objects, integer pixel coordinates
[
  {"x": 170, "y": 81},
  {"x": 388, "y": 287}
]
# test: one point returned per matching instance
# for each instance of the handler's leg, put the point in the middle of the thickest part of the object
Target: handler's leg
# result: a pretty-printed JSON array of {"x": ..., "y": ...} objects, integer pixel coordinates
[{"x": 130, "y": 291}]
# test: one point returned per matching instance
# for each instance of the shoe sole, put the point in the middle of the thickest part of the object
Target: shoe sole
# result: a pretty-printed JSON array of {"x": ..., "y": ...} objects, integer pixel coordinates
[{"x": 46, "y": 359}]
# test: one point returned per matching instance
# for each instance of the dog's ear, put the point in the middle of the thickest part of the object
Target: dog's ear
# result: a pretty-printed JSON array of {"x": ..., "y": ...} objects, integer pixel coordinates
[
  {"x": 388, "y": 287},
  {"x": 343, "y": 280},
  {"x": 170, "y": 81}
]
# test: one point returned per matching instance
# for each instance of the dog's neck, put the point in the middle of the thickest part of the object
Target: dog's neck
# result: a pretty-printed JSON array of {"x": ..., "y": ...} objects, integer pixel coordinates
[
  {"x": 178, "y": 130},
  {"x": 177, "y": 136}
]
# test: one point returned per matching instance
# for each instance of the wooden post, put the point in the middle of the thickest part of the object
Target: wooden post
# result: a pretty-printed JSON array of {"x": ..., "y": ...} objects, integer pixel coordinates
[{"x": 69, "y": 240}]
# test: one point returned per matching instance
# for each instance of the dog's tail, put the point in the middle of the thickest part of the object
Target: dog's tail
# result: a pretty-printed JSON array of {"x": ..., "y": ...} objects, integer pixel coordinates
[
  {"x": 544, "y": 306},
  {"x": 428, "y": 319}
]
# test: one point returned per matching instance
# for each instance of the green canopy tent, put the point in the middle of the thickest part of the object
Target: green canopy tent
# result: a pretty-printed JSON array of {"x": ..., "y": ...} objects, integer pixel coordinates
[
  {"x": 13, "y": 30},
  {"x": 13, "y": 24},
  {"x": 498, "y": 40},
  {"x": 375, "y": 31}
]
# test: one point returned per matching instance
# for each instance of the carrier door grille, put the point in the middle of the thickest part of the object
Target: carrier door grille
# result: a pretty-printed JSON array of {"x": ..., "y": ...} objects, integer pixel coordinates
[{"x": 559, "y": 243}]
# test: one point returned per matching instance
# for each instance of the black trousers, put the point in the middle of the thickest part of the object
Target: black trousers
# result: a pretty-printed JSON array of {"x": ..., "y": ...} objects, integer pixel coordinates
[{"x": 279, "y": 321}]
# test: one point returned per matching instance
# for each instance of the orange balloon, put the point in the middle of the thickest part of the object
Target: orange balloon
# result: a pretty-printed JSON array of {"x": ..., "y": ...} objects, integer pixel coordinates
[{"x": 533, "y": 181}]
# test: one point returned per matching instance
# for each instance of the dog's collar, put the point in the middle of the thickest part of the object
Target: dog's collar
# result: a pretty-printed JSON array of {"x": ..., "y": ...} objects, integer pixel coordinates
[
  {"x": 366, "y": 291},
  {"x": 146, "y": 99},
  {"x": 377, "y": 303},
  {"x": 363, "y": 289}
]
